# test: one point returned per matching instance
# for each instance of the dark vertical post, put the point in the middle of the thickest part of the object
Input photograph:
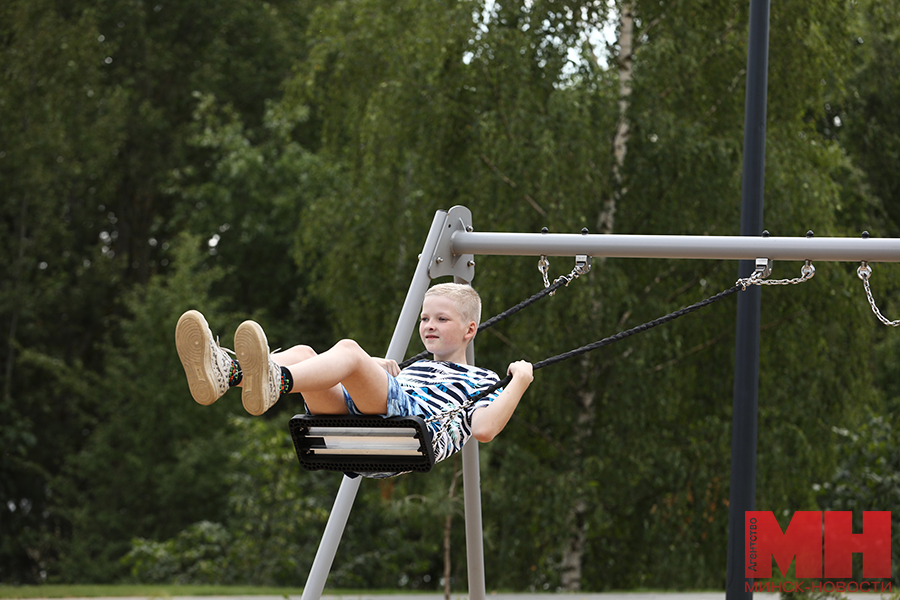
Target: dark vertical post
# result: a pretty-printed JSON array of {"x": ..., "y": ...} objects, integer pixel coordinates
[{"x": 746, "y": 368}]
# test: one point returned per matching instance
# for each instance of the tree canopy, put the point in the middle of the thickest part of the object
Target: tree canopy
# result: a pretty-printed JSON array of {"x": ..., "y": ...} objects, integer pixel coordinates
[{"x": 283, "y": 160}]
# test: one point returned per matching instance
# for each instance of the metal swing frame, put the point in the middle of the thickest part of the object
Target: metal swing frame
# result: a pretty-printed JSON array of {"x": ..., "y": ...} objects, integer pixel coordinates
[{"x": 449, "y": 250}]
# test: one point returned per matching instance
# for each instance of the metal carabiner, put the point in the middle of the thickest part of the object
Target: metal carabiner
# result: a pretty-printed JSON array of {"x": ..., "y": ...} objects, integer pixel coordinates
[
  {"x": 544, "y": 268},
  {"x": 864, "y": 271}
]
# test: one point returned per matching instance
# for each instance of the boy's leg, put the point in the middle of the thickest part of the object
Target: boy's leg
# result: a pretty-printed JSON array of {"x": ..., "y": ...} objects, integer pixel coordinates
[
  {"x": 345, "y": 363},
  {"x": 328, "y": 402},
  {"x": 209, "y": 370}
]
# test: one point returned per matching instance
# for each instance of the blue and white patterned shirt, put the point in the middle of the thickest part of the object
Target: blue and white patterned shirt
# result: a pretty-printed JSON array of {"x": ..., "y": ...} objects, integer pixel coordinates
[{"x": 437, "y": 387}]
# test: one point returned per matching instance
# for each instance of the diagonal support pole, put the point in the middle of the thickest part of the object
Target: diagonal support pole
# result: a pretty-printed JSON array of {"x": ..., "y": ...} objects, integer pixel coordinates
[
  {"x": 343, "y": 503},
  {"x": 334, "y": 529}
]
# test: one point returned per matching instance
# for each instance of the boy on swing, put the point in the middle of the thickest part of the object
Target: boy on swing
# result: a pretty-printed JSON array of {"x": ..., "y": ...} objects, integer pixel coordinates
[{"x": 346, "y": 380}]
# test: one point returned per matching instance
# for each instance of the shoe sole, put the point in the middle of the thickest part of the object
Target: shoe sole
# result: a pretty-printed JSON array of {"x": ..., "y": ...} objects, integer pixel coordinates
[
  {"x": 193, "y": 348},
  {"x": 252, "y": 350}
]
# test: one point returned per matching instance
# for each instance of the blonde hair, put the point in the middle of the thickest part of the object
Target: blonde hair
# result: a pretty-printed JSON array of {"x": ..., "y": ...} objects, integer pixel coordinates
[{"x": 464, "y": 297}]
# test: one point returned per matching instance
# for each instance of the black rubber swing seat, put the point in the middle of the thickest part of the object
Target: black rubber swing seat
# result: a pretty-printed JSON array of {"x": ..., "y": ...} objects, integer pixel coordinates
[{"x": 362, "y": 444}]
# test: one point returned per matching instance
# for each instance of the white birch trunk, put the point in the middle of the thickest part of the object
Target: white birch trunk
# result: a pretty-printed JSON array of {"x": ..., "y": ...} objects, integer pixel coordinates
[
  {"x": 573, "y": 552},
  {"x": 606, "y": 220}
]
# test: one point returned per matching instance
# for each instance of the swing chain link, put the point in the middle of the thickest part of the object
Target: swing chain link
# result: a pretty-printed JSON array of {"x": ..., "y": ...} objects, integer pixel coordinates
[
  {"x": 544, "y": 268},
  {"x": 582, "y": 267},
  {"x": 758, "y": 277},
  {"x": 864, "y": 272}
]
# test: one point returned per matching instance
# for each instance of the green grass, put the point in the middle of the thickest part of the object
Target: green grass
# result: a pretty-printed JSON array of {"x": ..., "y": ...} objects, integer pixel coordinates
[
  {"x": 168, "y": 591},
  {"x": 146, "y": 591}
]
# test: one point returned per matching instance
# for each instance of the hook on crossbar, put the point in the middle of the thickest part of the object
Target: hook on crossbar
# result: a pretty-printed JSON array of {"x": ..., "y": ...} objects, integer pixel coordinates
[
  {"x": 763, "y": 268},
  {"x": 583, "y": 264}
]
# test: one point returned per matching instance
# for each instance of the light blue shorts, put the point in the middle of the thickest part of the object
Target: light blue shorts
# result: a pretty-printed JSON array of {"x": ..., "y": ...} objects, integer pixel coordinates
[{"x": 399, "y": 403}]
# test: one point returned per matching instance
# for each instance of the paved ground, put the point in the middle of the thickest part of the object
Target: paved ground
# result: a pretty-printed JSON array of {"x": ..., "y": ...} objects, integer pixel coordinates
[
  {"x": 547, "y": 596},
  {"x": 490, "y": 596},
  {"x": 526, "y": 596}
]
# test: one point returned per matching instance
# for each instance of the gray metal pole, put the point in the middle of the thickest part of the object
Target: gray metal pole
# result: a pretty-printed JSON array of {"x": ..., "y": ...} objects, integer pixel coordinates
[
  {"x": 678, "y": 246},
  {"x": 472, "y": 505},
  {"x": 474, "y": 526},
  {"x": 334, "y": 529},
  {"x": 406, "y": 324},
  {"x": 746, "y": 368}
]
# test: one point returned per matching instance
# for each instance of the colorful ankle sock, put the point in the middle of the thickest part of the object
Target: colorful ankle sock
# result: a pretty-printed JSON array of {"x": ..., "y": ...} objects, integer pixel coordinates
[
  {"x": 287, "y": 381},
  {"x": 235, "y": 376}
]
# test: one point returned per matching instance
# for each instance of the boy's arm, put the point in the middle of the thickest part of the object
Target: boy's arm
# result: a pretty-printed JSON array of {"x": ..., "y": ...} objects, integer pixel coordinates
[{"x": 490, "y": 420}]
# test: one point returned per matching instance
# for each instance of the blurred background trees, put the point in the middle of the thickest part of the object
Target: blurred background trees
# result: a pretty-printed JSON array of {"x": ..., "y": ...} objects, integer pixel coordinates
[{"x": 282, "y": 161}]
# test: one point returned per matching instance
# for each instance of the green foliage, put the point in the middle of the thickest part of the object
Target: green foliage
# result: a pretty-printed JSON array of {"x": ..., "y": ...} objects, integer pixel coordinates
[
  {"x": 196, "y": 554},
  {"x": 865, "y": 119},
  {"x": 866, "y": 477},
  {"x": 275, "y": 511},
  {"x": 276, "y": 514},
  {"x": 247, "y": 201},
  {"x": 96, "y": 110},
  {"x": 149, "y": 450},
  {"x": 302, "y": 149},
  {"x": 56, "y": 137},
  {"x": 269, "y": 532}
]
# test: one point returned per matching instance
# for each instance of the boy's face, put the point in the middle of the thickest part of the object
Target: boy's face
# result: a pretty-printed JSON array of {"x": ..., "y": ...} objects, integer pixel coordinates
[{"x": 443, "y": 331}]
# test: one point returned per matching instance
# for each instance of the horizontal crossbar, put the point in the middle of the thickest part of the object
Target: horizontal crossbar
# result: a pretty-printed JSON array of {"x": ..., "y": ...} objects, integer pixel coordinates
[{"x": 676, "y": 246}]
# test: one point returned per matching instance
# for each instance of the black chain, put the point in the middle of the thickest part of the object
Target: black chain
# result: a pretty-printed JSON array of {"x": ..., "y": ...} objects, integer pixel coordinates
[{"x": 606, "y": 341}]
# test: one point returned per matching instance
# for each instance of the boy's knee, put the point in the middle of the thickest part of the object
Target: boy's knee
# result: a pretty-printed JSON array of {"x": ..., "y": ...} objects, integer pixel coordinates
[
  {"x": 352, "y": 348},
  {"x": 302, "y": 352},
  {"x": 294, "y": 355},
  {"x": 349, "y": 346}
]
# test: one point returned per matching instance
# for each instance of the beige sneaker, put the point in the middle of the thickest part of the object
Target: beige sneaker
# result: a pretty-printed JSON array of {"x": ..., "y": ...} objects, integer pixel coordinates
[
  {"x": 205, "y": 363},
  {"x": 262, "y": 375}
]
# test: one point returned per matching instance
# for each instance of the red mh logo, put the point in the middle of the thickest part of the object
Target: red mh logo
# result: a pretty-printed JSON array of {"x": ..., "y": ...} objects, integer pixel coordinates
[{"x": 823, "y": 548}]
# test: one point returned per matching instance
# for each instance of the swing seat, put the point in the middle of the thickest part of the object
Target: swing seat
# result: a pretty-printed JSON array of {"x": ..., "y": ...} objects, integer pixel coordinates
[{"x": 362, "y": 444}]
